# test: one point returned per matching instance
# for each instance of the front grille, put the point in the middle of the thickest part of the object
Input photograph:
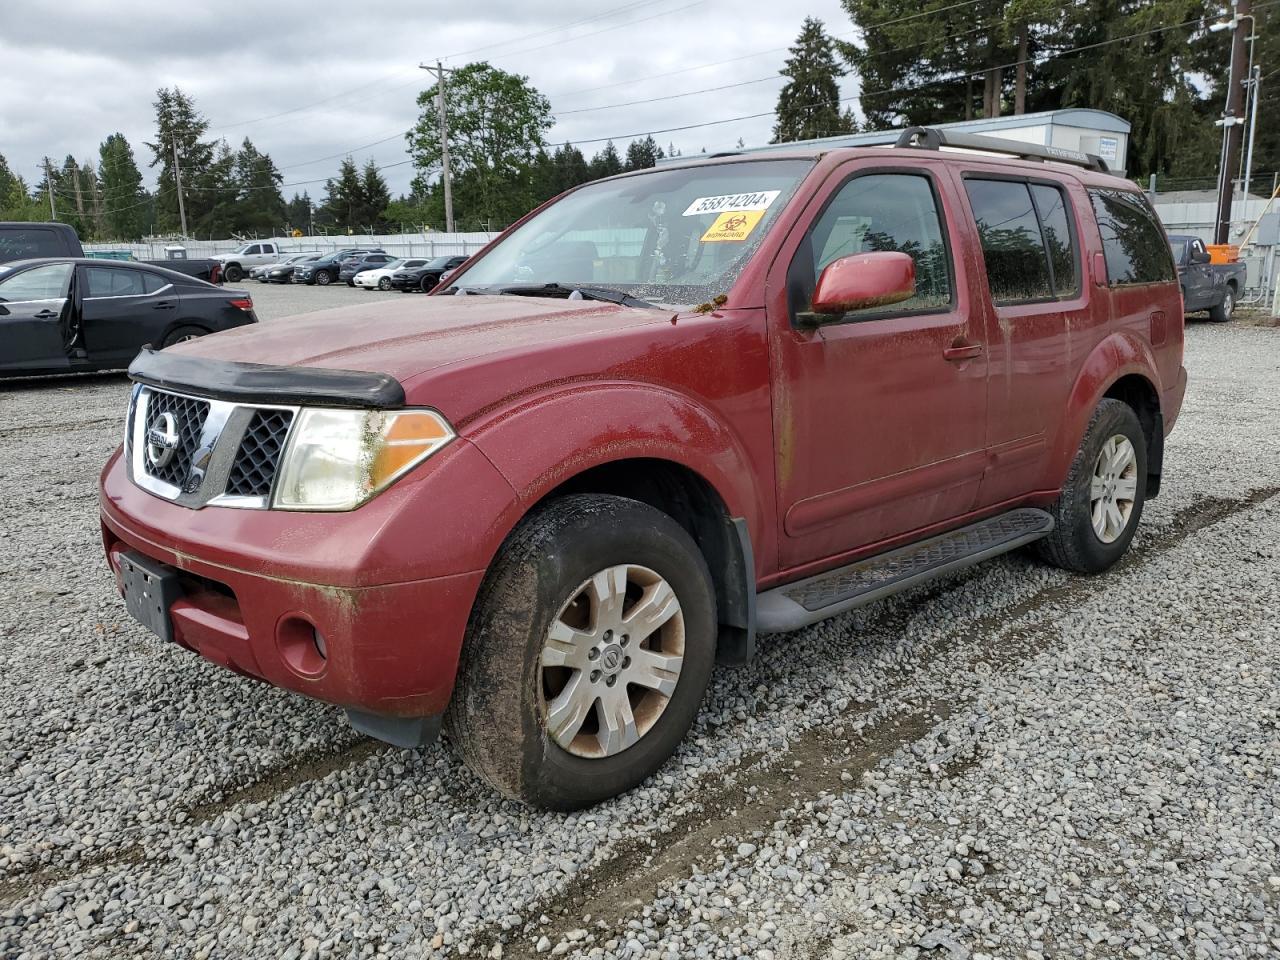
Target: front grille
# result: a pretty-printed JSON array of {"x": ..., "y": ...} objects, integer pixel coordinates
[
  {"x": 188, "y": 415},
  {"x": 254, "y": 468}
]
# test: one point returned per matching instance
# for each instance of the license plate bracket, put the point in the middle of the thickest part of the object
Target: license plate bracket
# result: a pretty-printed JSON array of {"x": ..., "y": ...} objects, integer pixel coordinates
[{"x": 150, "y": 589}]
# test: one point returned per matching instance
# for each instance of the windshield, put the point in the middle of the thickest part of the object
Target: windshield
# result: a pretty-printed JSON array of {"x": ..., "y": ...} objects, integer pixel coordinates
[
  {"x": 675, "y": 237},
  {"x": 439, "y": 263}
]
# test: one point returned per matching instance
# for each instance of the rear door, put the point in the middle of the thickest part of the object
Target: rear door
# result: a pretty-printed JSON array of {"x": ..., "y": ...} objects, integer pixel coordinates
[
  {"x": 122, "y": 309},
  {"x": 34, "y": 311},
  {"x": 1044, "y": 320}
]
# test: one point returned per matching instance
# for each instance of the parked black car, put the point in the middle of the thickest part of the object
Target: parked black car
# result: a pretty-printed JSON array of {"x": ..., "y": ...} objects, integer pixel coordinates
[
  {"x": 69, "y": 314},
  {"x": 283, "y": 272},
  {"x": 22, "y": 241},
  {"x": 325, "y": 270},
  {"x": 1205, "y": 285},
  {"x": 425, "y": 278},
  {"x": 370, "y": 261}
]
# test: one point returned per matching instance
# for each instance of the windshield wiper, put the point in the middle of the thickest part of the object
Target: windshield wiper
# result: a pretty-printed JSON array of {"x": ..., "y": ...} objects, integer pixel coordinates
[{"x": 587, "y": 293}]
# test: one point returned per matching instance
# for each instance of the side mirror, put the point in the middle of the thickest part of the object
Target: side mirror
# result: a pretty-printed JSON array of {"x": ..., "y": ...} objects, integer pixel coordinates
[
  {"x": 864, "y": 280},
  {"x": 1200, "y": 256}
]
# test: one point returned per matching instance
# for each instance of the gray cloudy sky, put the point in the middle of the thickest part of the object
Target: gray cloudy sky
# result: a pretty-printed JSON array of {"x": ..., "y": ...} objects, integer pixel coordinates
[{"x": 77, "y": 70}]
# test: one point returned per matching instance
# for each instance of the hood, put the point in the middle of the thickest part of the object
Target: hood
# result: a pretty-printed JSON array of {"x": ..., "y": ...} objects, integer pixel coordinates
[{"x": 407, "y": 339}]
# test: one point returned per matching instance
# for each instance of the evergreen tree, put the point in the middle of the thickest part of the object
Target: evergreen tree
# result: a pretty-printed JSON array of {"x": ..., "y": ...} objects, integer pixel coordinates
[
  {"x": 642, "y": 154},
  {"x": 298, "y": 212},
  {"x": 606, "y": 163},
  {"x": 178, "y": 122},
  {"x": 16, "y": 202},
  {"x": 374, "y": 198},
  {"x": 260, "y": 206},
  {"x": 124, "y": 207},
  {"x": 342, "y": 205},
  {"x": 809, "y": 104}
]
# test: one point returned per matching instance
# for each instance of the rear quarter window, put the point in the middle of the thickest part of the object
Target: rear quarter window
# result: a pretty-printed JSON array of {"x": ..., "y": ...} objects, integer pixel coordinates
[{"x": 1132, "y": 239}]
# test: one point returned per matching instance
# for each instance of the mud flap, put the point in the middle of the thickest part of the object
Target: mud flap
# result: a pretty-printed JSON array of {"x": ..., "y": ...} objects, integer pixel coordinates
[{"x": 407, "y": 732}]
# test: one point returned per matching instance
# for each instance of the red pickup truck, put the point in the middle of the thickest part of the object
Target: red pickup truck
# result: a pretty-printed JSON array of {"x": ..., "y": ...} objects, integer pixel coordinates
[{"x": 662, "y": 414}]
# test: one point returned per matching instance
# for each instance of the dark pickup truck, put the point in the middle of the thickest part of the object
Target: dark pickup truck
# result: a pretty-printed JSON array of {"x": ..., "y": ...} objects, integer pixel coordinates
[
  {"x": 25, "y": 241},
  {"x": 1214, "y": 287}
]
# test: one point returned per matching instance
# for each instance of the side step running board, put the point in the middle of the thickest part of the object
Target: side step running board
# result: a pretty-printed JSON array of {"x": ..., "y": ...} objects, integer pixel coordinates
[{"x": 799, "y": 604}]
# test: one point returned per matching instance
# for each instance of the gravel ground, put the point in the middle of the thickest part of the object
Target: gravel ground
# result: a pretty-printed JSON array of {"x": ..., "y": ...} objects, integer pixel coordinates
[{"x": 1009, "y": 763}]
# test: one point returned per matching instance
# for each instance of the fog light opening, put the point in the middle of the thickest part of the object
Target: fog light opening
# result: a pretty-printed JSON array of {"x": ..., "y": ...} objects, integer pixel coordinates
[{"x": 301, "y": 645}]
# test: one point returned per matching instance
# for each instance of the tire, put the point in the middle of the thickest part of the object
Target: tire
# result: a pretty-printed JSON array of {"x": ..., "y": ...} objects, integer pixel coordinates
[
  {"x": 546, "y": 573},
  {"x": 384, "y": 283},
  {"x": 1076, "y": 542},
  {"x": 427, "y": 284},
  {"x": 323, "y": 278},
  {"x": 183, "y": 333},
  {"x": 232, "y": 273},
  {"x": 351, "y": 283},
  {"x": 1223, "y": 311}
]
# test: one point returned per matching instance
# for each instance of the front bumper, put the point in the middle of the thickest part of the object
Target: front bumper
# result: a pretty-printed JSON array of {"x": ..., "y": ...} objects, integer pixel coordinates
[{"x": 258, "y": 586}]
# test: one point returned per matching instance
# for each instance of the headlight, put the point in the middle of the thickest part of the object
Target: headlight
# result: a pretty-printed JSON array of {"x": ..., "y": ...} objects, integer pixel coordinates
[{"x": 338, "y": 459}]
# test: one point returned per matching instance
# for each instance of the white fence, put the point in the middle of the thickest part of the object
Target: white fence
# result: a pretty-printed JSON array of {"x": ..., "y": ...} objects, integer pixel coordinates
[{"x": 399, "y": 244}]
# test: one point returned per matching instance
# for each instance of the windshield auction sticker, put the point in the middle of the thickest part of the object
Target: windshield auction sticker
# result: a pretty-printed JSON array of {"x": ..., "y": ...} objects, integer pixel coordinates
[
  {"x": 732, "y": 203},
  {"x": 732, "y": 227}
]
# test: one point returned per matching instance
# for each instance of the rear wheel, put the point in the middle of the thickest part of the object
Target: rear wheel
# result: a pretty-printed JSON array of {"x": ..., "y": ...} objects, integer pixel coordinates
[
  {"x": 1101, "y": 503},
  {"x": 233, "y": 273},
  {"x": 1222, "y": 312},
  {"x": 182, "y": 334},
  {"x": 587, "y": 655}
]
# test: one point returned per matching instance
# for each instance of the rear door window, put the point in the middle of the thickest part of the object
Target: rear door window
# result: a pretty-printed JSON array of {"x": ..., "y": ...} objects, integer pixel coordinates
[
  {"x": 1027, "y": 241},
  {"x": 1132, "y": 239},
  {"x": 153, "y": 283},
  {"x": 114, "y": 282}
]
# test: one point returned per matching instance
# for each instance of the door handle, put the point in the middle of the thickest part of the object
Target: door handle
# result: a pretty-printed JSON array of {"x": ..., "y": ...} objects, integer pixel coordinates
[
  {"x": 164, "y": 305},
  {"x": 45, "y": 315},
  {"x": 962, "y": 351}
]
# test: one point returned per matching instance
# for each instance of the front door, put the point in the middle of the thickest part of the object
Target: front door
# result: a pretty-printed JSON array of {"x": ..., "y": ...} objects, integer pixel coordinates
[
  {"x": 33, "y": 315},
  {"x": 880, "y": 414}
]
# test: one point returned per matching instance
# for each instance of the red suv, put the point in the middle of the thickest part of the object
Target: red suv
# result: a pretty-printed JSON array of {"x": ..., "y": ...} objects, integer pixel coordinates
[{"x": 662, "y": 414}]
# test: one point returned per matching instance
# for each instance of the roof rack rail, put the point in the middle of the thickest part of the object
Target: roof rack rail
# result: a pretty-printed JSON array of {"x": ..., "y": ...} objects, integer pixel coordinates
[{"x": 931, "y": 138}]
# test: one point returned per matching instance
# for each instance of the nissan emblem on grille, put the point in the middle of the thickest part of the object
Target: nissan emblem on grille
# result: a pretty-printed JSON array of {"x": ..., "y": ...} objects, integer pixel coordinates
[{"x": 162, "y": 440}]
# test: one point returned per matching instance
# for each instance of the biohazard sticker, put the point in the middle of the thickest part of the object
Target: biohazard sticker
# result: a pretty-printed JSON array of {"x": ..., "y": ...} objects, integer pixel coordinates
[
  {"x": 732, "y": 227},
  {"x": 732, "y": 203}
]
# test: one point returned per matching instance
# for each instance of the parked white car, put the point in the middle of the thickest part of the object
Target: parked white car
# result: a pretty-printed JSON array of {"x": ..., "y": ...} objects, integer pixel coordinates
[
  {"x": 256, "y": 254},
  {"x": 380, "y": 279}
]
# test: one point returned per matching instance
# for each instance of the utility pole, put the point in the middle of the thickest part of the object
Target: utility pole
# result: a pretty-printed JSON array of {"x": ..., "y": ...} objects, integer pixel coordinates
[
  {"x": 1232, "y": 120},
  {"x": 177, "y": 178},
  {"x": 439, "y": 72},
  {"x": 48, "y": 183}
]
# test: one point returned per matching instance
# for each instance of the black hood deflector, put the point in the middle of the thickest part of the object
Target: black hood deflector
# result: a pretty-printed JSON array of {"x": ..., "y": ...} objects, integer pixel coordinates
[{"x": 246, "y": 382}]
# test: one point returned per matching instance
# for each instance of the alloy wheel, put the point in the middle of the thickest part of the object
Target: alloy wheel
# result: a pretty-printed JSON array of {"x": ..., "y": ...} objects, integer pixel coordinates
[
  {"x": 1113, "y": 488},
  {"x": 611, "y": 661}
]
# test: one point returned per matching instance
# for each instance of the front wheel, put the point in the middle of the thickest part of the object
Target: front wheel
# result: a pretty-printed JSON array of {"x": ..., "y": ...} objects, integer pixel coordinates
[
  {"x": 233, "y": 273},
  {"x": 587, "y": 655},
  {"x": 427, "y": 284},
  {"x": 384, "y": 283},
  {"x": 323, "y": 278},
  {"x": 1098, "y": 510},
  {"x": 1222, "y": 312}
]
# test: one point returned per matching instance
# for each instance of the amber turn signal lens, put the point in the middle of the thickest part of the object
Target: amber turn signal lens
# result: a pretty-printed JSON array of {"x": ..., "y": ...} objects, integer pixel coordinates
[{"x": 407, "y": 437}]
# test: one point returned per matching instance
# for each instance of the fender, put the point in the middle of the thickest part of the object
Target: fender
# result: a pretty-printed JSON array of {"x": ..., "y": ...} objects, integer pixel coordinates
[
  {"x": 549, "y": 438},
  {"x": 1117, "y": 355}
]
